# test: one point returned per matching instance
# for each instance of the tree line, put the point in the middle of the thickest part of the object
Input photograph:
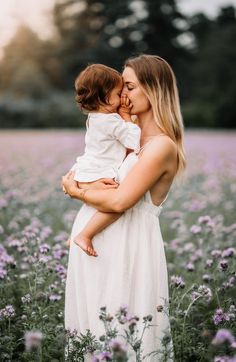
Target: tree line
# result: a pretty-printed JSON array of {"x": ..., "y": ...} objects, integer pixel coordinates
[{"x": 37, "y": 76}]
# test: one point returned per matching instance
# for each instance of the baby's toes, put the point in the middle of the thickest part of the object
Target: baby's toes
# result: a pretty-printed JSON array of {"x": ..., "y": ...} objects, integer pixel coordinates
[{"x": 90, "y": 250}]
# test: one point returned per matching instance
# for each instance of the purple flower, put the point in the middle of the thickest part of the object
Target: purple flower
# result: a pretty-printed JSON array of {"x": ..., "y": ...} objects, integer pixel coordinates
[
  {"x": 26, "y": 299},
  {"x": 204, "y": 292},
  {"x": 223, "y": 264},
  {"x": 44, "y": 259},
  {"x": 224, "y": 359},
  {"x": 209, "y": 263},
  {"x": 232, "y": 308},
  {"x": 61, "y": 270},
  {"x": 3, "y": 273},
  {"x": 58, "y": 252},
  {"x": 54, "y": 297},
  {"x": 3, "y": 203},
  {"x": 177, "y": 281},
  {"x": 228, "y": 252},
  {"x": 204, "y": 219},
  {"x": 15, "y": 242},
  {"x": 123, "y": 309},
  {"x": 44, "y": 248},
  {"x": 216, "y": 253},
  {"x": 117, "y": 346},
  {"x": 207, "y": 278},
  {"x": 197, "y": 255},
  {"x": 223, "y": 335},
  {"x": 71, "y": 333},
  {"x": 103, "y": 356},
  {"x": 195, "y": 229},
  {"x": 231, "y": 281},
  {"x": 220, "y": 316},
  {"x": 190, "y": 266},
  {"x": 7, "y": 312},
  {"x": 45, "y": 233},
  {"x": 62, "y": 236},
  {"x": 33, "y": 340}
]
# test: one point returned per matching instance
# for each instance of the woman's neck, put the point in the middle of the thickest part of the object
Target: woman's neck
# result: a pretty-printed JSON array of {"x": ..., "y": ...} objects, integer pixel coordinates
[{"x": 148, "y": 126}]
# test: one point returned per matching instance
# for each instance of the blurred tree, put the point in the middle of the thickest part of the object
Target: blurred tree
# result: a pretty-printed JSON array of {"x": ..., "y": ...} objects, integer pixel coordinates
[
  {"x": 91, "y": 31},
  {"x": 28, "y": 67},
  {"x": 95, "y": 31},
  {"x": 214, "y": 73}
]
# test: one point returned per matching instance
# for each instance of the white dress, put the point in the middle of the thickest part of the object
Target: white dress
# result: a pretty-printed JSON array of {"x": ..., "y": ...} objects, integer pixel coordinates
[
  {"x": 107, "y": 138},
  {"x": 130, "y": 269}
]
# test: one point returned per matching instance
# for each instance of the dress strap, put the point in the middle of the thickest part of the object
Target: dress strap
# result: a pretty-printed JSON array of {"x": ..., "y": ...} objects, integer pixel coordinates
[{"x": 164, "y": 199}]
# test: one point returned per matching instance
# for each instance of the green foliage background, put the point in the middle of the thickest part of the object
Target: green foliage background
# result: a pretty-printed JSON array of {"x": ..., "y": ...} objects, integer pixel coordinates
[{"x": 37, "y": 77}]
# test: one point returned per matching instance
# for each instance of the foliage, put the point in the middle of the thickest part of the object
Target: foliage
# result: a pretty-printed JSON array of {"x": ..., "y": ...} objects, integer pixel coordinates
[
  {"x": 35, "y": 218},
  {"x": 200, "y": 50}
]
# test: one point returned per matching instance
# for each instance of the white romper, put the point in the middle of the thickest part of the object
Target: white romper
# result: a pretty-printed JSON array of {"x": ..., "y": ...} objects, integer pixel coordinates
[{"x": 107, "y": 138}]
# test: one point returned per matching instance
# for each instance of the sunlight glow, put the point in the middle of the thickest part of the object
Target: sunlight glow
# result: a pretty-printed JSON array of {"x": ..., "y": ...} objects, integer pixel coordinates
[{"x": 34, "y": 14}]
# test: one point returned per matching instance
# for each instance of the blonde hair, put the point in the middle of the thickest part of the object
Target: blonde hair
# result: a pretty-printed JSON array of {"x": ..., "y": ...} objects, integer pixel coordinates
[{"x": 158, "y": 82}]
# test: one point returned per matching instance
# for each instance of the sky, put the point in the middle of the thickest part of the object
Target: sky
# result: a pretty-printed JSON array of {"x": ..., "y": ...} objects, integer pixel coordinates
[{"x": 36, "y": 14}]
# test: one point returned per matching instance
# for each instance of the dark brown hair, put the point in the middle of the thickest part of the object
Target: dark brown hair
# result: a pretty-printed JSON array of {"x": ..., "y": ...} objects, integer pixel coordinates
[{"x": 94, "y": 85}]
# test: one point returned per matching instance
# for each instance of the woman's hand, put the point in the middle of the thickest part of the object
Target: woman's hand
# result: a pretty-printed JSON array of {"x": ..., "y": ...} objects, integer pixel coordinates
[
  {"x": 69, "y": 185},
  {"x": 125, "y": 107}
]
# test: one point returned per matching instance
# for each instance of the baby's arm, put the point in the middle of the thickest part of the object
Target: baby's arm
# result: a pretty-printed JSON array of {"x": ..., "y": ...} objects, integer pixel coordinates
[{"x": 98, "y": 222}]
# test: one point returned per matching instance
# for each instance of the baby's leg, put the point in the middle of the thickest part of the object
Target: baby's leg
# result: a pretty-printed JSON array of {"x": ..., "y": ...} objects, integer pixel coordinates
[{"x": 97, "y": 223}]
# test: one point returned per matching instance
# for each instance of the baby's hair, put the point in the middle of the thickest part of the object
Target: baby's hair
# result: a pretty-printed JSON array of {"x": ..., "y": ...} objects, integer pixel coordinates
[{"x": 94, "y": 85}]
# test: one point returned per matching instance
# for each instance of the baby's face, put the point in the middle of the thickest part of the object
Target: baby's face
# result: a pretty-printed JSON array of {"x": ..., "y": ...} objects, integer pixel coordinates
[{"x": 114, "y": 98}]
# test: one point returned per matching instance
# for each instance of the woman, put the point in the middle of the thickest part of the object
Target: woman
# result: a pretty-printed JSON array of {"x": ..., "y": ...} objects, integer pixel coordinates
[{"x": 131, "y": 267}]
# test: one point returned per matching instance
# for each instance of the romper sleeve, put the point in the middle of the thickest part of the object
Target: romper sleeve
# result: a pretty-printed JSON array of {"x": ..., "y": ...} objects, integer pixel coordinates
[{"x": 127, "y": 133}]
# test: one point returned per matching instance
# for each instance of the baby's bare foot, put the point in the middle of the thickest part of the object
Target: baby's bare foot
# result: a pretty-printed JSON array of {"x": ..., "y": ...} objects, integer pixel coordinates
[{"x": 85, "y": 244}]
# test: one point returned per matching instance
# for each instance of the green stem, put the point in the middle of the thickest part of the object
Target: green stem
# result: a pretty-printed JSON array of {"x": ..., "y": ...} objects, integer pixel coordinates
[
  {"x": 183, "y": 296},
  {"x": 190, "y": 305}
]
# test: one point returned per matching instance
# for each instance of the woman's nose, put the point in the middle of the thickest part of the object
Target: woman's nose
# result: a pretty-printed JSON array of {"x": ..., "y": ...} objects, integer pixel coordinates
[{"x": 124, "y": 92}]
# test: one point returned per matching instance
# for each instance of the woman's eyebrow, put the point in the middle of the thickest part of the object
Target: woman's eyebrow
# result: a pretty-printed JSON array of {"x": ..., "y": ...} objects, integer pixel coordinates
[{"x": 128, "y": 82}]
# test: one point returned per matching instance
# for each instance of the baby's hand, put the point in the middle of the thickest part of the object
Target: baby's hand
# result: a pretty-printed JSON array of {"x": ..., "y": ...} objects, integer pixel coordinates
[{"x": 125, "y": 107}]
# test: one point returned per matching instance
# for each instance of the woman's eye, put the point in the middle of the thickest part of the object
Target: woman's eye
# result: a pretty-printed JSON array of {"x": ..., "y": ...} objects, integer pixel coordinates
[{"x": 129, "y": 88}]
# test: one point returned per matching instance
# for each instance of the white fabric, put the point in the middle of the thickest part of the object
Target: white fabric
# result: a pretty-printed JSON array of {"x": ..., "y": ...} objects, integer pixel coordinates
[
  {"x": 130, "y": 269},
  {"x": 106, "y": 140}
]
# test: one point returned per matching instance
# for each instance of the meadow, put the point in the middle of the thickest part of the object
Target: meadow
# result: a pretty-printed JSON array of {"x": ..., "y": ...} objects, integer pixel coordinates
[{"x": 198, "y": 225}]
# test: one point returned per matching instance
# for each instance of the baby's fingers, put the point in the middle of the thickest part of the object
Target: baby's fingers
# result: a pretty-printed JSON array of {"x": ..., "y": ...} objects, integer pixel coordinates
[
  {"x": 111, "y": 186},
  {"x": 123, "y": 100},
  {"x": 127, "y": 101}
]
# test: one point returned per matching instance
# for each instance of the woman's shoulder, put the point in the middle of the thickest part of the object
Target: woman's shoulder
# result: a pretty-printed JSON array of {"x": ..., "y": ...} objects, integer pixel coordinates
[{"x": 161, "y": 145}]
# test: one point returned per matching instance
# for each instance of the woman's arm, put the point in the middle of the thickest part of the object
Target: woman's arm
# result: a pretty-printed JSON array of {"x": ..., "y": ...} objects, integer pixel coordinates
[{"x": 157, "y": 158}]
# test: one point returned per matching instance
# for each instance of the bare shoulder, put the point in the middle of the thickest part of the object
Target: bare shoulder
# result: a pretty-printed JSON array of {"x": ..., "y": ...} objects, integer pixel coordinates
[{"x": 161, "y": 147}]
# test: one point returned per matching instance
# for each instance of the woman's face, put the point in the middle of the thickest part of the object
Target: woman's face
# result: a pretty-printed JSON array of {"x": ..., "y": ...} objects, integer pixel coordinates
[{"x": 132, "y": 89}]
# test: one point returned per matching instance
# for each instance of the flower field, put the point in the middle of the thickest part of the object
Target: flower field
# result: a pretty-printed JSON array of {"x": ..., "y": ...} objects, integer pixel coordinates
[{"x": 198, "y": 224}]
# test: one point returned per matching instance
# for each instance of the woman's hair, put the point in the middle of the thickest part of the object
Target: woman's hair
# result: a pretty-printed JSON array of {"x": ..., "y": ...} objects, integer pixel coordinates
[
  {"x": 94, "y": 85},
  {"x": 158, "y": 82}
]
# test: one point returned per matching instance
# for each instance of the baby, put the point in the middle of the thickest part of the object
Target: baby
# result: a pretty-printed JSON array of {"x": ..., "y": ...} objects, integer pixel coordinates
[{"x": 107, "y": 140}]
